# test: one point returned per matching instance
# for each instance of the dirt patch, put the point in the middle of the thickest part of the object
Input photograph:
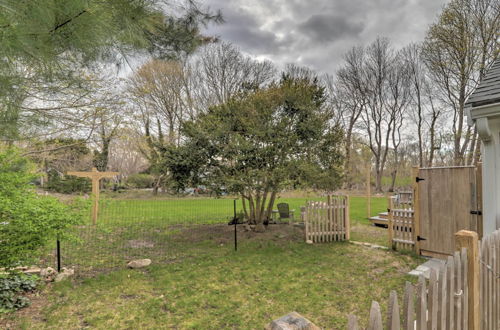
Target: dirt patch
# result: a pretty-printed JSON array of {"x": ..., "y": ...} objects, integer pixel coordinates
[{"x": 223, "y": 233}]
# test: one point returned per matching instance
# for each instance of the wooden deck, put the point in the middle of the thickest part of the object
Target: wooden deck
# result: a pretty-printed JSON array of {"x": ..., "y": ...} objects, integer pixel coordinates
[{"x": 380, "y": 219}]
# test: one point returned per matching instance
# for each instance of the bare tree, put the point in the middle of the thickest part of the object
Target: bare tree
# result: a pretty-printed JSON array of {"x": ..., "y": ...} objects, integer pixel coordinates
[
  {"x": 350, "y": 97},
  {"x": 457, "y": 50},
  {"x": 378, "y": 119},
  {"x": 225, "y": 71}
]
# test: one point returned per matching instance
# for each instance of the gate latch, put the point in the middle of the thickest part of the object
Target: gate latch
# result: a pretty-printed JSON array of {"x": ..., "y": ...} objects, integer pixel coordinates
[
  {"x": 419, "y": 238},
  {"x": 419, "y": 179},
  {"x": 477, "y": 212}
]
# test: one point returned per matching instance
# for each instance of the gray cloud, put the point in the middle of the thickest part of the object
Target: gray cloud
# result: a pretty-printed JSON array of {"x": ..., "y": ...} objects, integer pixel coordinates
[
  {"x": 324, "y": 27},
  {"x": 317, "y": 33}
]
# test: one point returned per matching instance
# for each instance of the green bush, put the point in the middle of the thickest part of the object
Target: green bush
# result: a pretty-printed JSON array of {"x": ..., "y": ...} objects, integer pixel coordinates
[
  {"x": 140, "y": 181},
  {"x": 12, "y": 288},
  {"x": 68, "y": 184},
  {"x": 28, "y": 221}
]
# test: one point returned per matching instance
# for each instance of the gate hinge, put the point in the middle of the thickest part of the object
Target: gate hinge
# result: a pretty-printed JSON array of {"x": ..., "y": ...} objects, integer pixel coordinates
[
  {"x": 419, "y": 179},
  {"x": 421, "y": 239},
  {"x": 476, "y": 212}
]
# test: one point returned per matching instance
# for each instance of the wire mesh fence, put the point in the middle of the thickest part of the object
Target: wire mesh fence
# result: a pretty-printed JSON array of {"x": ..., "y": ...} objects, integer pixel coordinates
[{"x": 163, "y": 230}]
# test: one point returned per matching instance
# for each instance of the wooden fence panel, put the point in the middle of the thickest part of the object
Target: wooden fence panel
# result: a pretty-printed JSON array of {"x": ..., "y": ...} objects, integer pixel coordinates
[
  {"x": 327, "y": 221},
  {"x": 439, "y": 303},
  {"x": 489, "y": 281}
]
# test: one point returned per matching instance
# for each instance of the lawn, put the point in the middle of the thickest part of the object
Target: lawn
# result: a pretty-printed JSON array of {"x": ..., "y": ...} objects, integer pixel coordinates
[
  {"x": 222, "y": 288},
  {"x": 143, "y": 228},
  {"x": 198, "y": 281}
]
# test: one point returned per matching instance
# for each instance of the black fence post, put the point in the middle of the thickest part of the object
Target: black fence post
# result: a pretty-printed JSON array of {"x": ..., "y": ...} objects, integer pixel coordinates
[
  {"x": 235, "y": 221},
  {"x": 58, "y": 252}
]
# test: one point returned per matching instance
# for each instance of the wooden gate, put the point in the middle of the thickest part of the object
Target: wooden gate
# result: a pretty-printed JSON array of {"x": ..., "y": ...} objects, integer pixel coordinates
[
  {"x": 446, "y": 201},
  {"x": 401, "y": 224},
  {"x": 327, "y": 221}
]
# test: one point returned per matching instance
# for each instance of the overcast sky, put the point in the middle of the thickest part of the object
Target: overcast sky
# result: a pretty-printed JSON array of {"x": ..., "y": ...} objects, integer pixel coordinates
[{"x": 316, "y": 33}]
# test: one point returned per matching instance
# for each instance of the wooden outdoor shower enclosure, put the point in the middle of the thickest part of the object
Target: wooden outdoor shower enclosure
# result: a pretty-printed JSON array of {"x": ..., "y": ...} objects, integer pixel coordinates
[{"x": 446, "y": 200}]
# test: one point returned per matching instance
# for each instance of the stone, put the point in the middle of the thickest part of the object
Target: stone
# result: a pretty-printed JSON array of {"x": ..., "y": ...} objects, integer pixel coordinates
[
  {"x": 64, "y": 274},
  {"x": 48, "y": 273},
  {"x": 292, "y": 321},
  {"x": 32, "y": 271},
  {"x": 246, "y": 227},
  {"x": 309, "y": 241},
  {"x": 140, "y": 263}
]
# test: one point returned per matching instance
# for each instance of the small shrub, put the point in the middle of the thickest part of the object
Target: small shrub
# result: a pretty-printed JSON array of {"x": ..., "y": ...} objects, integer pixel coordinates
[
  {"x": 12, "y": 288},
  {"x": 28, "y": 221},
  {"x": 140, "y": 181}
]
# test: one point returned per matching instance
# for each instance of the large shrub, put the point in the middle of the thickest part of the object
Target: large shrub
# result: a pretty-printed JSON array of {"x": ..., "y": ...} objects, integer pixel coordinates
[
  {"x": 68, "y": 184},
  {"x": 140, "y": 181},
  {"x": 28, "y": 221}
]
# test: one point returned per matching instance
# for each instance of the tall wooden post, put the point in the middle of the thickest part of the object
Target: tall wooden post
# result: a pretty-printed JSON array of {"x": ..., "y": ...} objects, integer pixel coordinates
[
  {"x": 96, "y": 177},
  {"x": 469, "y": 240},
  {"x": 347, "y": 219},
  {"x": 390, "y": 220},
  {"x": 368, "y": 193},
  {"x": 416, "y": 209}
]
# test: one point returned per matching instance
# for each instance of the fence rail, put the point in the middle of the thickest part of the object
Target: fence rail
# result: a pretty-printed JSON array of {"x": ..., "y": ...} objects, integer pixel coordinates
[{"x": 327, "y": 221}]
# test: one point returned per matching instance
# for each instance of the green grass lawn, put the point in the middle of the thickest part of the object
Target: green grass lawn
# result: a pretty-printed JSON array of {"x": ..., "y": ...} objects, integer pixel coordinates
[
  {"x": 224, "y": 289},
  {"x": 134, "y": 228},
  {"x": 208, "y": 210},
  {"x": 198, "y": 281}
]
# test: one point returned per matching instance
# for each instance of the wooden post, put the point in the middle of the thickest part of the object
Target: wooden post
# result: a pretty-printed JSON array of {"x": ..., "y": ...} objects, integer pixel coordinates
[
  {"x": 368, "y": 193},
  {"x": 347, "y": 219},
  {"x": 96, "y": 177},
  {"x": 390, "y": 225},
  {"x": 330, "y": 208},
  {"x": 416, "y": 209},
  {"x": 469, "y": 240}
]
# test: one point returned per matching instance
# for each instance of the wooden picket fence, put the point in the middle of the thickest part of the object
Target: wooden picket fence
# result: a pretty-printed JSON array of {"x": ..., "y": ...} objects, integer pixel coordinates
[
  {"x": 327, "y": 221},
  {"x": 401, "y": 225},
  {"x": 438, "y": 303},
  {"x": 489, "y": 254},
  {"x": 463, "y": 294}
]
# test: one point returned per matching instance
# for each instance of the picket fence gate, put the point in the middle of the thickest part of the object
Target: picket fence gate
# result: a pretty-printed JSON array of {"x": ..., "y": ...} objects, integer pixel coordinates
[
  {"x": 401, "y": 225},
  {"x": 327, "y": 221}
]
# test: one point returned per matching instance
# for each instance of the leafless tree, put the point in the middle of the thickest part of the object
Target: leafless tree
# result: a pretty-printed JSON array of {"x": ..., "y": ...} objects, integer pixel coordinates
[
  {"x": 350, "y": 96},
  {"x": 457, "y": 50},
  {"x": 225, "y": 71}
]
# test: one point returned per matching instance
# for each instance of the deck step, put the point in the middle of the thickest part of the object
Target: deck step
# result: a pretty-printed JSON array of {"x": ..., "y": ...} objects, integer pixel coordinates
[
  {"x": 379, "y": 221},
  {"x": 383, "y": 215}
]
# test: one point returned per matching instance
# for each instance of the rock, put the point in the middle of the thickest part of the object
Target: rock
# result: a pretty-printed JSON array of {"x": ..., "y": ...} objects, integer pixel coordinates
[
  {"x": 32, "y": 271},
  {"x": 48, "y": 273},
  {"x": 309, "y": 241},
  {"x": 292, "y": 321},
  {"x": 140, "y": 263},
  {"x": 246, "y": 227},
  {"x": 64, "y": 274}
]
